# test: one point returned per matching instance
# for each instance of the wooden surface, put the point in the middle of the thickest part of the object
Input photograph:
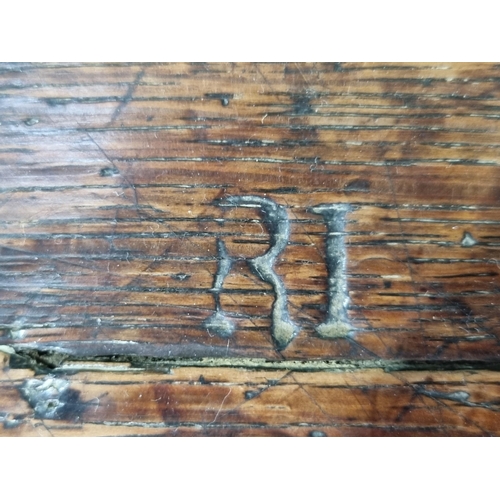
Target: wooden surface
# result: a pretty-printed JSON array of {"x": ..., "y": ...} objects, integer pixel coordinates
[{"x": 249, "y": 249}]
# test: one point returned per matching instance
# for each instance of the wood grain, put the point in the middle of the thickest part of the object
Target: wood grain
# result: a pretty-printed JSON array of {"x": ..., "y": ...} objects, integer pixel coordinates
[
  {"x": 113, "y": 183},
  {"x": 234, "y": 402}
]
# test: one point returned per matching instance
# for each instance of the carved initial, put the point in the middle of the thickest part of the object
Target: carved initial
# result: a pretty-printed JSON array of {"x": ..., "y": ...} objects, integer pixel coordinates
[
  {"x": 275, "y": 217},
  {"x": 336, "y": 324},
  {"x": 283, "y": 330}
]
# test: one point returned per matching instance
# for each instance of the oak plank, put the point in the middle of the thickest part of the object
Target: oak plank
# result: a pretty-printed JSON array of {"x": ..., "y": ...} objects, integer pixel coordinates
[
  {"x": 230, "y": 401},
  {"x": 114, "y": 223}
]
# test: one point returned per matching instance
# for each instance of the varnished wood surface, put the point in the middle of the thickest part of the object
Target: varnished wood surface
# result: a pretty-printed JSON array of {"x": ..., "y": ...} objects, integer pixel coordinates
[
  {"x": 235, "y": 402},
  {"x": 113, "y": 181}
]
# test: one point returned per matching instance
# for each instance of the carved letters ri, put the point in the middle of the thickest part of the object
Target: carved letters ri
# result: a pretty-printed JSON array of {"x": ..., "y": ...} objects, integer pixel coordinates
[{"x": 275, "y": 218}]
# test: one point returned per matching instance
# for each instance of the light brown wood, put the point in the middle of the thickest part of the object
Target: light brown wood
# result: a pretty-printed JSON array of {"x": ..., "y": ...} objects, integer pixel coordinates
[{"x": 234, "y": 402}]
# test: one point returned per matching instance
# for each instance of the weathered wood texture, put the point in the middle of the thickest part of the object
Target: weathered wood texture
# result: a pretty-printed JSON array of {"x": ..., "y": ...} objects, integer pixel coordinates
[
  {"x": 127, "y": 188},
  {"x": 232, "y": 402}
]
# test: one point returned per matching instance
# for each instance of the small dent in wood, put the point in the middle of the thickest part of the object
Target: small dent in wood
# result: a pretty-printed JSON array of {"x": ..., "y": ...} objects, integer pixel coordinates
[
  {"x": 358, "y": 185},
  {"x": 15, "y": 331},
  {"x": 251, "y": 394},
  {"x": 181, "y": 276},
  {"x": 109, "y": 172},
  {"x": 10, "y": 422},
  {"x": 223, "y": 98},
  {"x": 459, "y": 396},
  {"x": 31, "y": 121},
  {"x": 468, "y": 240},
  {"x": 317, "y": 434},
  {"x": 50, "y": 397}
]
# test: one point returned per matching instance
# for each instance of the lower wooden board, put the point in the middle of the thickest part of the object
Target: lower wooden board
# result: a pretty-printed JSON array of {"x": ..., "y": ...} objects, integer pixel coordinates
[{"x": 86, "y": 401}]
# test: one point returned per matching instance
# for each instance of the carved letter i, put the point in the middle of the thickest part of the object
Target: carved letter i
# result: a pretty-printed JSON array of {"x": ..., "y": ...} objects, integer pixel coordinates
[{"x": 336, "y": 324}]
